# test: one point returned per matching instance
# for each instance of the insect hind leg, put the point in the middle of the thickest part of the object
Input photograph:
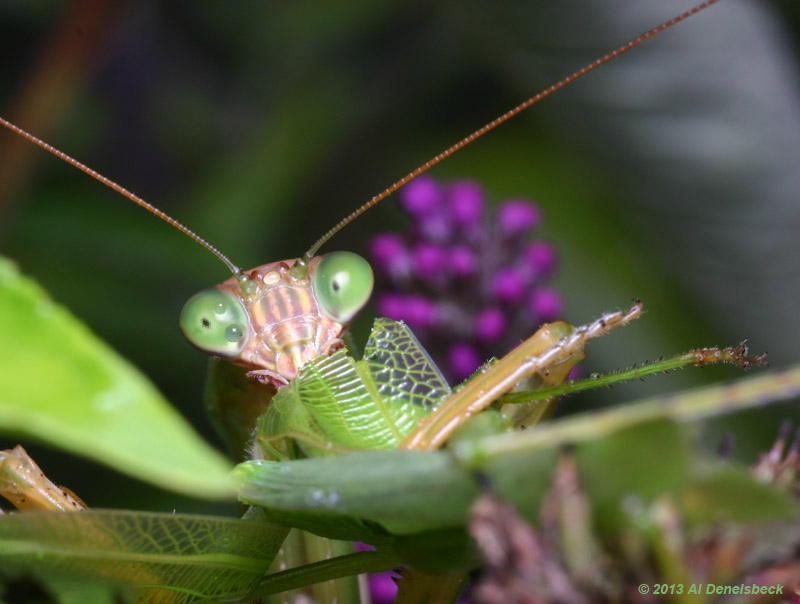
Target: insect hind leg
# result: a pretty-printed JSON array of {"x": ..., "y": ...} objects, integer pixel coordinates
[
  {"x": 572, "y": 344},
  {"x": 550, "y": 352},
  {"x": 611, "y": 321},
  {"x": 600, "y": 327}
]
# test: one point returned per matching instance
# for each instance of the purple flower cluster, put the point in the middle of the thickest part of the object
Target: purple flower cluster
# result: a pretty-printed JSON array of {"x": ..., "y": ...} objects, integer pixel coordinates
[{"x": 469, "y": 282}]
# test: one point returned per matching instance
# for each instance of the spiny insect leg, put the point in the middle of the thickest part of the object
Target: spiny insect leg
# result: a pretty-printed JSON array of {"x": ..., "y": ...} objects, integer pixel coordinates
[
  {"x": 610, "y": 321},
  {"x": 572, "y": 344}
]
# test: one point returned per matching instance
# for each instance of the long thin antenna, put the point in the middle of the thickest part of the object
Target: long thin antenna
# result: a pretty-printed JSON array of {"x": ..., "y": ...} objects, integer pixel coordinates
[
  {"x": 122, "y": 191},
  {"x": 496, "y": 122}
]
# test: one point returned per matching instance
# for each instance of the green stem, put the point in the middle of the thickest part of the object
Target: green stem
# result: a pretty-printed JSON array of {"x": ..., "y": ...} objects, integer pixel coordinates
[
  {"x": 686, "y": 406},
  {"x": 699, "y": 357},
  {"x": 340, "y": 591},
  {"x": 326, "y": 570}
]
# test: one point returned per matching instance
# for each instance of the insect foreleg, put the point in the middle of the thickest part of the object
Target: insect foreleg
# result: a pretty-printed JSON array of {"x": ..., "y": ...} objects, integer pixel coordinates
[{"x": 551, "y": 352}]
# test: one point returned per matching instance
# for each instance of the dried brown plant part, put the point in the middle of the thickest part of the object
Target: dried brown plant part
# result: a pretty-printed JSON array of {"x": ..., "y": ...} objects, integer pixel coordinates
[
  {"x": 519, "y": 566},
  {"x": 735, "y": 355},
  {"x": 26, "y": 486},
  {"x": 567, "y": 527},
  {"x": 781, "y": 465}
]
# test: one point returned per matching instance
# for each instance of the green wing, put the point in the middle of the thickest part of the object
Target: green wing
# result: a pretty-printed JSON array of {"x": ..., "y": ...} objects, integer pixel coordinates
[
  {"x": 171, "y": 558},
  {"x": 339, "y": 404},
  {"x": 401, "y": 368}
]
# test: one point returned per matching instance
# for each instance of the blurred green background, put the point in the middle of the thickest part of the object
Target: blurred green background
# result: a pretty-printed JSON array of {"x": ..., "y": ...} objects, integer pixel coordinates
[{"x": 670, "y": 175}]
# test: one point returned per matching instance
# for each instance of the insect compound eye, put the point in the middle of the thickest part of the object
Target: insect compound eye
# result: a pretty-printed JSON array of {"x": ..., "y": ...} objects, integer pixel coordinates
[
  {"x": 216, "y": 322},
  {"x": 342, "y": 284}
]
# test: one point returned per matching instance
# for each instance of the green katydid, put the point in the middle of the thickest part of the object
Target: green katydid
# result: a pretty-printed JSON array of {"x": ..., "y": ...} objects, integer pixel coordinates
[{"x": 549, "y": 349}]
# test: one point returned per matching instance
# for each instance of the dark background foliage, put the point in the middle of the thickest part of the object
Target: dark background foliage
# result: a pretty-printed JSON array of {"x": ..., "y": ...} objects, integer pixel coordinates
[{"x": 669, "y": 175}]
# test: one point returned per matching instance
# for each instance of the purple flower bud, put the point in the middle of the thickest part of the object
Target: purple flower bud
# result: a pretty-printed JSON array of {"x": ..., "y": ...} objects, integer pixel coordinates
[
  {"x": 517, "y": 216},
  {"x": 462, "y": 261},
  {"x": 463, "y": 359},
  {"x": 508, "y": 286},
  {"x": 388, "y": 252},
  {"x": 467, "y": 280},
  {"x": 421, "y": 196},
  {"x": 436, "y": 227},
  {"x": 390, "y": 305},
  {"x": 429, "y": 260},
  {"x": 545, "y": 303},
  {"x": 420, "y": 312},
  {"x": 490, "y": 325},
  {"x": 417, "y": 311},
  {"x": 541, "y": 257},
  {"x": 382, "y": 588},
  {"x": 466, "y": 201}
]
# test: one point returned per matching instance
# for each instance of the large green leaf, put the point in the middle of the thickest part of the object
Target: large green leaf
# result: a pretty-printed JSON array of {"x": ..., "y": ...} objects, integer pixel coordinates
[
  {"x": 379, "y": 494},
  {"x": 386, "y": 492},
  {"x": 165, "y": 557},
  {"x": 640, "y": 449},
  {"x": 60, "y": 385}
]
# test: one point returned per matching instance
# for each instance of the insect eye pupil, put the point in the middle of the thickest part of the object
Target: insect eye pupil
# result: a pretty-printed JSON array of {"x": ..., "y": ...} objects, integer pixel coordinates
[
  {"x": 206, "y": 322},
  {"x": 234, "y": 332},
  {"x": 336, "y": 286}
]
